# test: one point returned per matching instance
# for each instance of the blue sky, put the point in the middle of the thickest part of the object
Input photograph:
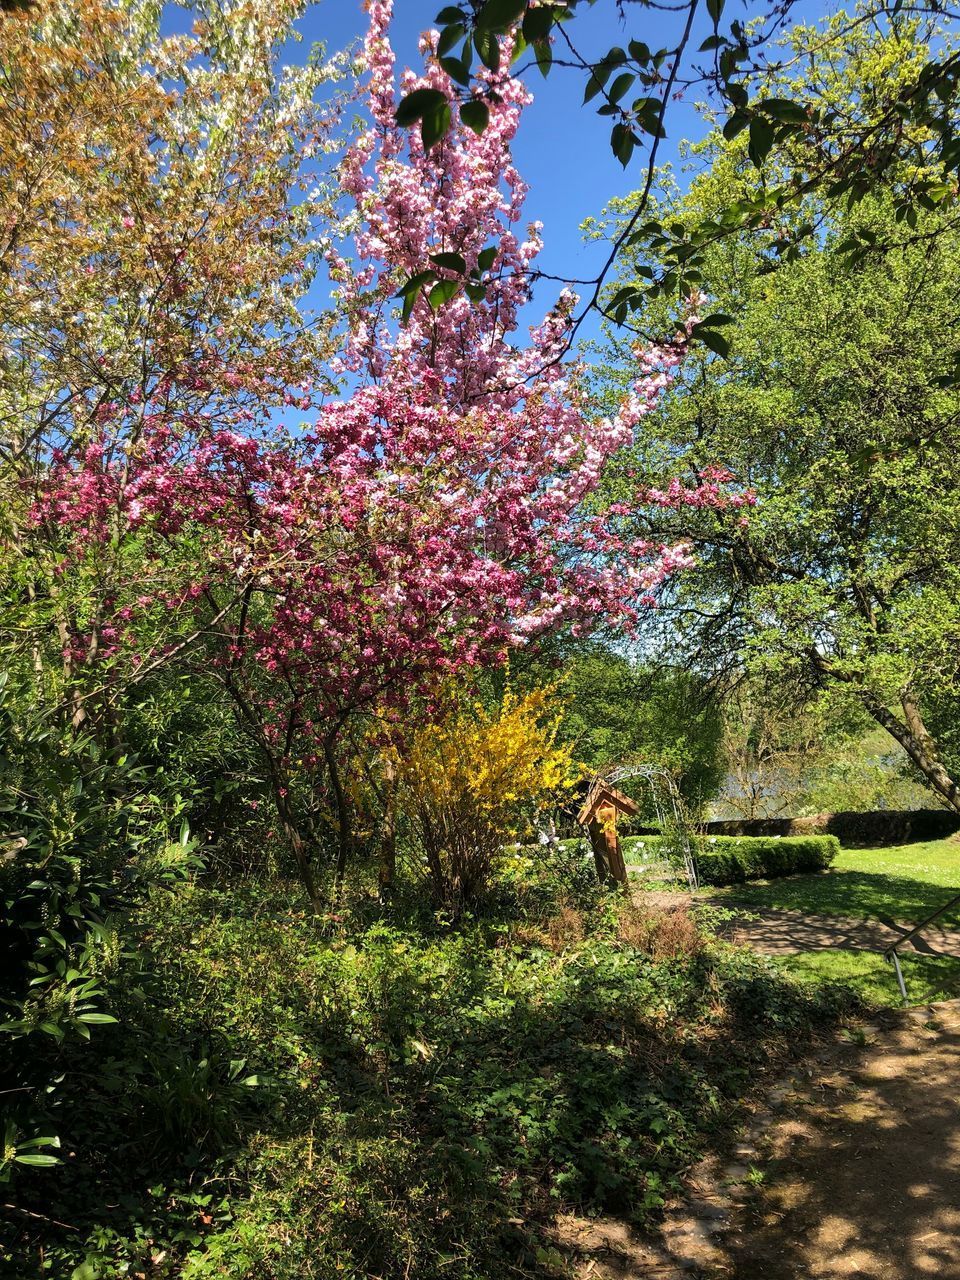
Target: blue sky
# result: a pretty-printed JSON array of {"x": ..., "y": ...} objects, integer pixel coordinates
[{"x": 562, "y": 151}]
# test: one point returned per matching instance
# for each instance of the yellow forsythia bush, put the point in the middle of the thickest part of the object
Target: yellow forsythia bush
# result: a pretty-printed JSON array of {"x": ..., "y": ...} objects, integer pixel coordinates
[{"x": 476, "y": 779}]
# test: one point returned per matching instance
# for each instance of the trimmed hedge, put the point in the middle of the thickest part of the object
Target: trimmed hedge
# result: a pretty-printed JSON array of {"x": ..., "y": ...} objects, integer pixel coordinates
[
  {"x": 733, "y": 859},
  {"x": 876, "y": 827}
]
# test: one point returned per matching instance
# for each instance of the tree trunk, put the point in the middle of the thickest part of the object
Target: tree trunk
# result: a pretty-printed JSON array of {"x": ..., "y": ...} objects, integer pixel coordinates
[
  {"x": 388, "y": 841},
  {"x": 917, "y": 741},
  {"x": 292, "y": 832},
  {"x": 344, "y": 825}
]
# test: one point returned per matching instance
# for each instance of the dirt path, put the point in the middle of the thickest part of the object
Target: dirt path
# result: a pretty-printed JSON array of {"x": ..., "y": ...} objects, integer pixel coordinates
[{"x": 851, "y": 1171}]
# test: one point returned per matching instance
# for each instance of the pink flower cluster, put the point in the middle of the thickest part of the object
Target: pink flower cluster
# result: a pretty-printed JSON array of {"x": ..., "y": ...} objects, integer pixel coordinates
[{"x": 433, "y": 517}]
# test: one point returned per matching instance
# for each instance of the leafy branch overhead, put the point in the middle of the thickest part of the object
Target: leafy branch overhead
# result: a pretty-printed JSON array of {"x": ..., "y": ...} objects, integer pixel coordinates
[{"x": 902, "y": 135}]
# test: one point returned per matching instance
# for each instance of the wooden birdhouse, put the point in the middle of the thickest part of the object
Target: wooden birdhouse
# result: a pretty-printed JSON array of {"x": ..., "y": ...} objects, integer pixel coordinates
[{"x": 603, "y": 805}]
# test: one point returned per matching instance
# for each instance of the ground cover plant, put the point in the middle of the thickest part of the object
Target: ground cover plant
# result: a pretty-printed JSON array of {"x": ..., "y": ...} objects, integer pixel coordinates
[
  {"x": 381, "y": 1093},
  {"x": 310, "y": 613}
]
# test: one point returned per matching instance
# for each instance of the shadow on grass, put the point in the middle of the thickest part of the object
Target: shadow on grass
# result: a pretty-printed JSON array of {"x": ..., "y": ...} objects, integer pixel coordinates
[{"x": 864, "y": 894}]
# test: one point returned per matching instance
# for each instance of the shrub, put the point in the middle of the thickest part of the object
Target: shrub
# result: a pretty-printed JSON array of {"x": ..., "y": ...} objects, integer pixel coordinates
[
  {"x": 733, "y": 859},
  {"x": 474, "y": 780}
]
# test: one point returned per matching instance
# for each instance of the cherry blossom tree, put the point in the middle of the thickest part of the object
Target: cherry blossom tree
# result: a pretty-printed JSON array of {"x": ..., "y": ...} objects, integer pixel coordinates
[{"x": 440, "y": 508}]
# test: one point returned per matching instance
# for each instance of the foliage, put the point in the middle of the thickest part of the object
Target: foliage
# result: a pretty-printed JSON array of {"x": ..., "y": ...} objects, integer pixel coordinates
[
  {"x": 733, "y": 859},
  {"x": 427, "y": 1097},
  {"x": 438, "y": 512},
  {"x": 474, "y": 779},
  {"x": 788, "y": 756},
  {"x": 618, "y": 711},
  {"x": 82, "y": 837},
  {"x": 842, "y": 579}
]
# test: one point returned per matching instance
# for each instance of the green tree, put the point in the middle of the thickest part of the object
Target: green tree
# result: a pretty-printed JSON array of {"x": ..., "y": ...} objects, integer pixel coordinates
[
  {"x": 621, "y": 711},
  {"x": 896, "y": 131},
  {"x": 835, "y": 410}
]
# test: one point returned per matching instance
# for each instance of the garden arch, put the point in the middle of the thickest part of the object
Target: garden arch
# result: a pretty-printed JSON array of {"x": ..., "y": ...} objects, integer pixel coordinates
[{"x": 603, "y": 796}]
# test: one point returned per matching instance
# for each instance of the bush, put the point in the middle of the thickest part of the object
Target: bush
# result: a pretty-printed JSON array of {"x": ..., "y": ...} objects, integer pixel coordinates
[
  {"x": 471, "y": 780},
  {"x": 733, "y": 859}
]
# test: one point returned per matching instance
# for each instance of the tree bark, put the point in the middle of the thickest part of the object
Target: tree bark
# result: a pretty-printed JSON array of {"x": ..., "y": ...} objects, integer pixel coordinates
[
  {"x": 388, "y": 840},
  {"x": 344, "y": 824},
  {"x": 917, "y": 741}
]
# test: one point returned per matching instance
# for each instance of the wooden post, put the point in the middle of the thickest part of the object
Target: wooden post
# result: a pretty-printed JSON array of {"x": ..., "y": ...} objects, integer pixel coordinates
[{"x": 615, "y": 862}]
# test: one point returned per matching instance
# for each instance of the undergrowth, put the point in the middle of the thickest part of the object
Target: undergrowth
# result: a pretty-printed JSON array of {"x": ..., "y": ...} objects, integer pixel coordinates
[{"x": 381, "y": 1093}]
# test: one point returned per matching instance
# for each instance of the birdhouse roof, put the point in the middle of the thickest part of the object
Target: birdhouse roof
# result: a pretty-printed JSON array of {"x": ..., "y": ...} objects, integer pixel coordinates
[{"x": 604, "y": 796}]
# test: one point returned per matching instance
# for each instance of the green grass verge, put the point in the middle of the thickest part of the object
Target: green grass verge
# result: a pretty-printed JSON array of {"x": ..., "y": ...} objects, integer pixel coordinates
[
  {"x": 901, "y": 884},
  {"x": 927, "y": 978}
]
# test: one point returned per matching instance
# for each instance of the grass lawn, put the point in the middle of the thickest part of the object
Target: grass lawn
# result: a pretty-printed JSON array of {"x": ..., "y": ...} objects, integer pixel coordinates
[{"x": 902, "y": 883}]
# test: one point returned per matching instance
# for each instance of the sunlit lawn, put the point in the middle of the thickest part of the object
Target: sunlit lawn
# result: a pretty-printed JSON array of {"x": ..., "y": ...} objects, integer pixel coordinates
[
  {"x": 927, "y": 977},
  {"x": 902, "y": 883}
]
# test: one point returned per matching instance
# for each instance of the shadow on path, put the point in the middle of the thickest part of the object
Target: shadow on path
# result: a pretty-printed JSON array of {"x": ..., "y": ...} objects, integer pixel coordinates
[
  {"x": 779, "y": 933},
  {"x": 852, "y": 1173}
]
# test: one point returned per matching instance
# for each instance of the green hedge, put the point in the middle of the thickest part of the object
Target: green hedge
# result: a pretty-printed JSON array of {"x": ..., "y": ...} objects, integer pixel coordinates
[{"x": 733, "y": 859}]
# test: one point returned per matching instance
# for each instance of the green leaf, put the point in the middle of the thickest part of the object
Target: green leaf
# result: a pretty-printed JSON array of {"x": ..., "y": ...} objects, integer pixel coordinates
[
  {"x": 442, "y": 292},
  {"x": 710, "y": 338},
  {"x": 35, "y": 1158},
  {"x": 621, "y": 85},
  {"x": 435, "y": 125},
  {"x": 458, "y": 69},
  {"x": 622, "y": 143},
  {"x": 475, "y": 114},
  {"x": 487, "y": 257},
  {"x": 499, "y": 15},
  {"x": 537, "y": 23},
  {"x": 715, "y": 320},
  {"x": 96, "y": 1018},
  {"x": 451, "y": 13},
  {"x": 785, "y": 109},
  {"x": 450, "y": 262},
  {"x": 416, "y": 104},
  {"x": 449, "y": 37},
  {"x": 639, "y": 51},
  {"x": 715, "y": 9},
  {"x": 761, "y": 141},
  {"x": 735, "y": 125},
  {"x": 488, "y": 49},
  {"x": 544, "y": 52},
  {"x": 475, "y": 292}
]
